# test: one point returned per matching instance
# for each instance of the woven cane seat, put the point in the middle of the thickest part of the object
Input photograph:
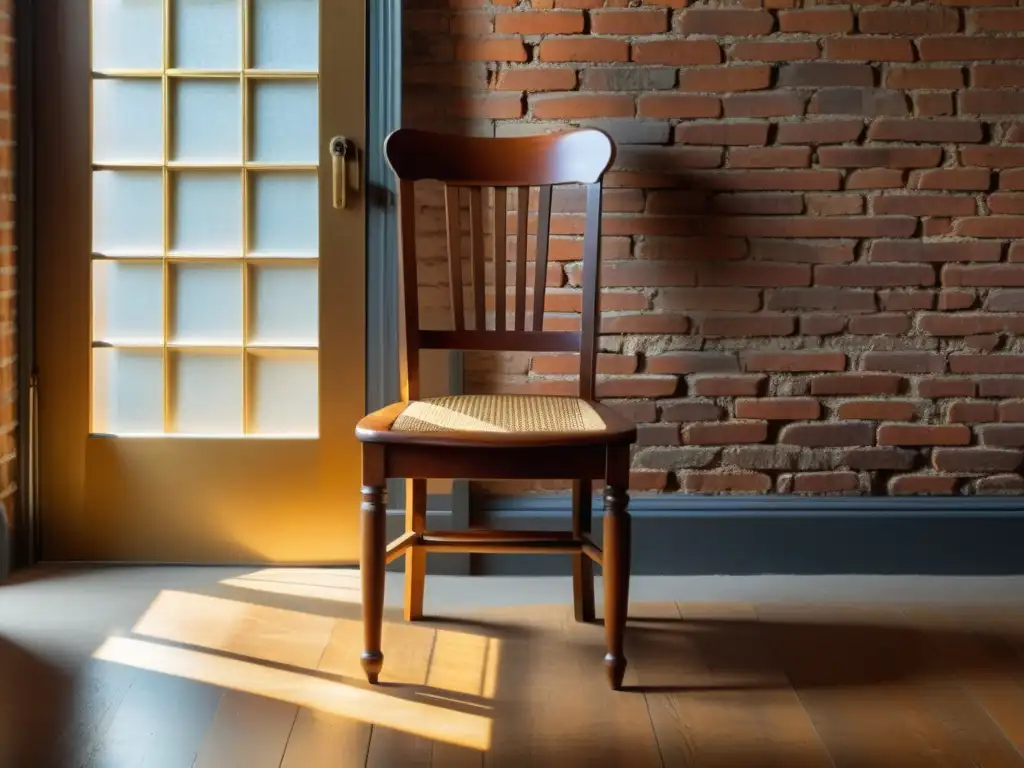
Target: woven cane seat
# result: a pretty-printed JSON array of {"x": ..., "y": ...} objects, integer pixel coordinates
[{"x": 457, "y": 418}]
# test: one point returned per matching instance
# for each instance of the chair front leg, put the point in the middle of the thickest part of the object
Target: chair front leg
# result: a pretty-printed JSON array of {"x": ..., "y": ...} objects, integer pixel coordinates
[
  {"x": 371, "y": 567},
  {"x": 617, "y": 535},
  {"x": 582, "y": 566}
]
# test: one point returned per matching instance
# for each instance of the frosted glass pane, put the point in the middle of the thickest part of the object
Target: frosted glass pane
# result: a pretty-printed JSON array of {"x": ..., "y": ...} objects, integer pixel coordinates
[
  {"x": 285, "y": 214},
  {"x": 286, "y": 122},
  {"x": 285, "y": 307},
  {"x": 207, "y": 393},
  {"x": 207, "y": 304},
  {"x": 208, "y": 121},
  {"x": 128, "y": 391},
  {"x": 207, "y": 213},
  {"x": 127, "y": 34},
  {"x": 285, "y": 399},
  {"x": 207, "y": 34},
  {"x": 128, "y": 213},
  {"x": 286, "y": 34},
  {"x": 128, "y": 302},
  {"x": 127, "y": 121}
]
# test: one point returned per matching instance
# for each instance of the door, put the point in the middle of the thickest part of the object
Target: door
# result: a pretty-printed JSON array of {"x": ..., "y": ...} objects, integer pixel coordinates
[{"x": 200, "y": 297}]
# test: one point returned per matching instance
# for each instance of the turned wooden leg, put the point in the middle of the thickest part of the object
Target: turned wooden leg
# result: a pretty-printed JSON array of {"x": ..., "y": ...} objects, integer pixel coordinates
[
  {"x": 582, "y": 566},
  {"x": 616, "y": 580},
  {"x": 415, "y": 557},
  {"x": 371, "y": 567}
]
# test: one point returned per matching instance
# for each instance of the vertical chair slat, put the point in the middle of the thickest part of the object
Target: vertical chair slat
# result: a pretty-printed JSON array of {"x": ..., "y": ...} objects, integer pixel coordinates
[
  {"x": 500, "y": 246},
  {"x": 409, "y": 316},
  {"x": 541, "y": 267},
  {"x": 522, "y": 221},
  {"x": 451, "y": 205},
  {"x": 591, "y": 267},
  {"x": 476, "y": 250}
]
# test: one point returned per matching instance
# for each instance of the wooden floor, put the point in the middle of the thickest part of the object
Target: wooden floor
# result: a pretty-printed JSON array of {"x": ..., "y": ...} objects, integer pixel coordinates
[{"x": 218, "y": 668}]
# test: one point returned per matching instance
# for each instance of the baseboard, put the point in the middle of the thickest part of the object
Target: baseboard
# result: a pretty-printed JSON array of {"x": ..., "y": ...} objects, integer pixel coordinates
[{"x": 686, "y": 535}]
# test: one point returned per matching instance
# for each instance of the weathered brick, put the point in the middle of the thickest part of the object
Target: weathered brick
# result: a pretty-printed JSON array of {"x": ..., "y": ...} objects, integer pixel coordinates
[
  {"x": 1000, "y": 485},
  {"x": 693, "y": 362},
  {"x": 904, "y": 362},
  {"x": 819, "y": 132},
  {"x": 1001, "y": 387},
  {"x": 969, "y": 324},
  {"x": 763, "y": 457},
  {"x": 970, "y": 48},
  {"x": 867, "y": 102},
  {"x": 778, "y": 408},
  {"x": 908, "y": 21},
  {"x": 923, "y": 434},
  {"x": 923, "y": 485},
  {"x": 940, "y": 387},
  {"x": 1011, "y": 435},
  {"x": 657, "y": 434},
  {"x": 749, "y": 274},
  {"x": 647, "y": 481},
  {"x": 738, "y": 325},
  {"x": 868, "y": 275},
  {"x": 819, "y": 74},
  {"x": 917, "y": 130},
  {"x": 831, "y": 299},
  {"x": 635, "y": 410},
  {"x": 490, "y": 49},
  {"x": 764, "y": 50},
  {"x": 722, "y": 134},
  {"x": 822, "y": 325},
  {"x": 724, "y": 385},
  {"x": 675, "y": 458},
  {"x": 691, "y": 248},
  {"x": 1001, "y": 363},
  {"x": 992, "y": 157},
  {"x": 856, "y": 384},
  {"x": 825, "y": 482},
  {"x": 547, "y": 106},
  {"x": 783, "y": 103},
  {"x": 725, "y": 79},
  {"x": 630, "y": 21},
  {"x": 583, "y": 48},
  {"x": 1005, "y": 301},
  {"x": 1011, "y": 410},
  {"x": 727, "y": 22},
  {"x": 640, "y": 322},
  {"x": 666, "y": 105},
  {"x": 874, "y": 459},
  {"x": 923, "y": 205},
  {"x": 931, "y": 104},
  {"x": 984, "y": 276},
  {"x": 767, "y": 203},
  {"x": 724, "y": 482},
  {"x": 991, "y": 102},
  {"x": 647, "y": 78},
  {"x": 875, "y": 178},
  {"x": 972, "y": 460},
  {"x": 689, "y": 410},
  {"x": 817, "y": 21},
  {"x": 879, "y": 325},
  {"x": 971, "y": 412},
  {"x": 679, "y": 53},
  {"x": 995, "y": 20},
  {"x": 955, "y": 179},
  {"x": 708, "y": 299},
  {"x": 636, "y": 386},
  {"x": 997, "y": 76},
  {"x": 535, "y": 79},
  {"x": 952, "y": 300},
  {"x": 539, "y": 23},
  {"x": 728, "y": 433},
  {"x": 877, "y": 410},
  {"x": 827, "y": 434},
  {"x": 868, "y": 49},
  {"x": 769, "y": 157},
  {"x": 908, "y": 78},
  {"x": 906, "y": 301},
  {"x": 891, "y": 157},
  {"x": 779, "y": 361},
  {"x": 802, "y": 251}
]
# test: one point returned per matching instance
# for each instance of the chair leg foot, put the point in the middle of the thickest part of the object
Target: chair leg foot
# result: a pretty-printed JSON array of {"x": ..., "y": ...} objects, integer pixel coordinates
[
  {"x": 371, "y": 568},
  {"x": 372, "y": 664},
  {"x": 617, "y": 545},
  {"x": 615, "y": 669}
]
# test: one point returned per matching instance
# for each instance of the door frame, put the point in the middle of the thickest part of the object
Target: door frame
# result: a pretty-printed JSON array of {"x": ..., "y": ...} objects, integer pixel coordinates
[{"x": 383, "y": 70}]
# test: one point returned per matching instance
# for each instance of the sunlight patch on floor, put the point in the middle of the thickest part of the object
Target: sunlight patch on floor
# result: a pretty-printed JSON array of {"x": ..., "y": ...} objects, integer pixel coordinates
[
  {"x": 413, "y": 717},
  {"x": 335, "y": 585}
]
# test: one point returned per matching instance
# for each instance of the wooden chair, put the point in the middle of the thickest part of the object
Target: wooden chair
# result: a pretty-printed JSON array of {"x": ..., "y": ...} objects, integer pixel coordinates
[{"x": 478, "y": 437}]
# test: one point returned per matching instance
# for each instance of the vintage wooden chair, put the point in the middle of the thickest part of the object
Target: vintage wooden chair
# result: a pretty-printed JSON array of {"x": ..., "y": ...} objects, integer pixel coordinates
[{"x": 480, "y": 437}]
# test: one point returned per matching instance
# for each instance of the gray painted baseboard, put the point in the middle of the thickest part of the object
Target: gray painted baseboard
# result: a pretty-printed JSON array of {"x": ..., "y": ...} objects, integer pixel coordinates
[{"x": 685, "y": 535}]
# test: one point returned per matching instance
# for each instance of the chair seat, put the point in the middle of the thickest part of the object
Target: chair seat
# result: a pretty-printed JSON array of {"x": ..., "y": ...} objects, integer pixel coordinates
[{"x": 498, "y": 420}]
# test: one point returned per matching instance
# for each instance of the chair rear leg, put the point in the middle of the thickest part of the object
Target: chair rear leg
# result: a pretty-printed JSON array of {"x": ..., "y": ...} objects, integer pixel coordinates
[
  {"x": 582, "y": 566},
  {"x": 415, "y": 557},
  {"x": 371, "y": 561},
  {"x": 617, "y": 544}
]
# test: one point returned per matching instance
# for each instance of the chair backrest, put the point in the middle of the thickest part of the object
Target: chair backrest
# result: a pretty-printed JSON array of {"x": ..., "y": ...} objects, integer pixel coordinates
[{"x": 506, "y": 165}]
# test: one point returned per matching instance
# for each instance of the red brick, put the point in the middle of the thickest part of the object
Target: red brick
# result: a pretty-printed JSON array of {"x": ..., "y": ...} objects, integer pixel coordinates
[
  {"x": 904, "y": 362},
  {"x": 993, "y": 157},
  {"x": 974, "y": 460},
  {"x": 499, "y": 106},
  {"x": 670, "y": 105},
  {"x": 923, "y": 434},
  {"x": 1001, "y": 387},
  {"x": 816, "y": 74},
  {"x": 834, "y": 205},
  {"x": 875, "y": 178},
  {"x": 991, "y": 226},
  {"x": 771, "y": 104},
  {"x": 880, "y": 325},
  {"x": 999, "y": 364},
  {"x": 722, "y": 134},
  {"x": 819, "y": 132},
  {"x": 865, "y": 275},
  {"x": 767, "y": 203},
  {"x": 974, "y": 179},
  {"x": 886, "y": 157},
  {"x": 877, "y": 410},
  {"x": 968, "y": 324},
  {"x": 923, "y": 485},
  {"x": 971, "y": 412},
  {"x": 856, "y": 384},
  {"x": 804, "y": 252},
  {"x": 547, "y": 106},
  {"x": 725, "y": 79},
  {"x": 635, "y": 410},
  {"x": 539, "y": 23},
  {"x": 749, "y": 50},
  {"x": 778, "y": 408},
  {"x": 950, "y": 301},
  {"x": 825, "y": 482},
  {"x": 995, "y": 20},
  {"x": 535, "y": 79},
  {"x": 931, "y": 104},
  {"x": 678, "y": 53},
  {"x": 873, "y": 459},
  {"x": 730, "y": 433},
  {"x": 925, "y": 205},
  {"x": 724, "y": 482},
  {"x": 893, "y": 301},
  {"x": 586, "y": 49},
  {"x": 768, "y": 180},
  {"x": 1005, "y": 301},
  {"x": 569, "y": 364},
  {"x": 750, "y": 274},
  {"x": 725, "y": 385},
  {"x": 689, "y": 410},
  {"x": 642, "y": 323},
  {"x": 819, "y": 21},
  {"x": 868, "y": 49},
  {"x": 691, "y": 248},
  {"x": 970, "y": 48},
  {"x": 1012, "y": 179},
  {"x": 647, "y": 481},
  {"x": 636, "y": 386},
  {"x": 827, "y": 434},
  {"x": 657, "y": 434},
  {"x": 692, "y": 362},
  {"x": 908, "y": 21},
  {"x": 770, "y": 157},
  {"x": 490, "y": 49},
  {"x": 832, "y": 299},
  {"x": 991, "y": 102},
  {"x": 628, "y": 21},
  {"x": 708, "y": 299},
  {"x": 639, "y": 273},
  {"x": 946, "y": 387},
  {"x": 737, "y": 325},
  {"x": 704, "y": 21},
  {"x": 1011, "y": 435},
  {"x": 997, "y": 76},
  {"x": 794, "y": 362},
  {"x": 1011, "y": 410},
  {"x": 936, "y": 131}
]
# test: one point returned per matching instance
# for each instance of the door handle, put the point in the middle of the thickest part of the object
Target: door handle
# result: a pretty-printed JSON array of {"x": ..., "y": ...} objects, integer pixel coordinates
[{"x": 342, "y": 151}]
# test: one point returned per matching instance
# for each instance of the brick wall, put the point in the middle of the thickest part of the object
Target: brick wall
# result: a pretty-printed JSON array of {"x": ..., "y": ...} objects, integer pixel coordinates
[
  {"x": 8, "y": 339},
  {"x": 811, "y": 277}
]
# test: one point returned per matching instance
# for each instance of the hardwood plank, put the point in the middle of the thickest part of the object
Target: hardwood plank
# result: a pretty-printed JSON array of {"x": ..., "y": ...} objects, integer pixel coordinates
[
  {"x": 716, "y": 699},
  {"x": 322, "y": 740},
  {"x": 247, "y": 732},
  {"x": 864, "y": 677}
]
